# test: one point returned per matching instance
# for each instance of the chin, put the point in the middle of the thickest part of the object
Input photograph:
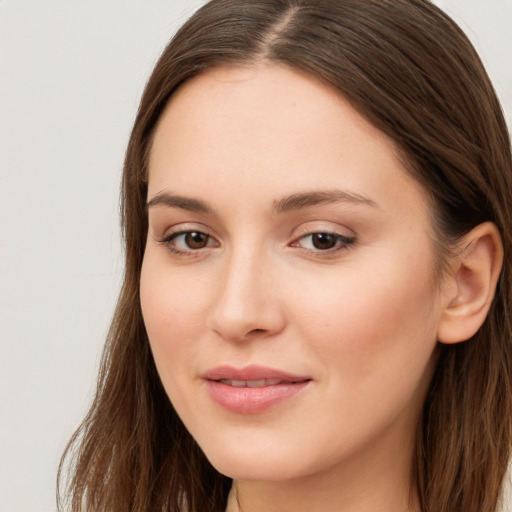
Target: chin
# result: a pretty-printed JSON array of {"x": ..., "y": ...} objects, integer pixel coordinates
[
  {"x": 247, "y": 470},
  {"x": 256, "y": 464}
]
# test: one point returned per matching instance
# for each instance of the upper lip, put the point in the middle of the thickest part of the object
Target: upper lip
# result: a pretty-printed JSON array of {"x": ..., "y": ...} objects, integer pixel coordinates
[{"x": 250, "y": 373}]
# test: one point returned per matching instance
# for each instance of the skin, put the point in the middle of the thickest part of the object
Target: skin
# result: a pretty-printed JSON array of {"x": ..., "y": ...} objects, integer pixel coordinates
[{"x": 359, "y": 319}]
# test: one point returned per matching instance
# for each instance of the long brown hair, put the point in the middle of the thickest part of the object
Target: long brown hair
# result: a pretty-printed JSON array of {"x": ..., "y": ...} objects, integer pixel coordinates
[{"x": 409, "y": 69}]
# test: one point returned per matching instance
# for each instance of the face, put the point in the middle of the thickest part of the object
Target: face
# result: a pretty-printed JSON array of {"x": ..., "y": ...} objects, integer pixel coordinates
[{"x": 288, "y": 285}]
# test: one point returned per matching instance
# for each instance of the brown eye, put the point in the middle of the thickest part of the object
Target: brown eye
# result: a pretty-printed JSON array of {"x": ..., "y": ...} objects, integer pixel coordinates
[
  {"x": 196, "y": 240},
  {"x": 324, "y": 241},
  {"x": 186, "y": 242}
]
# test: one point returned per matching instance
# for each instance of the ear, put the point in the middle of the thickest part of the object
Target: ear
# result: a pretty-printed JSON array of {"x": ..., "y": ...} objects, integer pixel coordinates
[{"x": 471, "y": 284}]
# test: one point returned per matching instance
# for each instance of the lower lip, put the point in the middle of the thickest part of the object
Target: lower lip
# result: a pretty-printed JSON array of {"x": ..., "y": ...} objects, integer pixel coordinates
[{"x": 247, "y": 400}]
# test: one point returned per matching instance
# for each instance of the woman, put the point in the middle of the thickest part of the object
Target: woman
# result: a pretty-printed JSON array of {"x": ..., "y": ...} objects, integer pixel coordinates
[{"x": 315, "y": 311}]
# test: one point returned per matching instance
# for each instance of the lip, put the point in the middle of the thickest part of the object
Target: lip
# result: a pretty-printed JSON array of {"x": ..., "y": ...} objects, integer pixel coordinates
[
  {"x": 274, "y": 387},
  {"x": 251, "y": 372}
]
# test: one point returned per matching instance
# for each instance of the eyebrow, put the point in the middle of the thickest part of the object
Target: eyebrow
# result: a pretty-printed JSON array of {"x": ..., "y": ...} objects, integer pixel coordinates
[
  {"x": 315, "y": 198},
  {"x": 185, "y": 203},
  {"x": 286, "y": 204}
]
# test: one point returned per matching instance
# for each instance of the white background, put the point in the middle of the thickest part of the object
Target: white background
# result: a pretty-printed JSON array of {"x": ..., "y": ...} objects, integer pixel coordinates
[{"x": 71, "y": 74}]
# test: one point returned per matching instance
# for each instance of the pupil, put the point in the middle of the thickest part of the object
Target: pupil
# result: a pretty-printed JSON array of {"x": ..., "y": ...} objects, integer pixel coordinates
[
  {"x": 324, "y": 240},
  {"x": 196, "y": 240}
]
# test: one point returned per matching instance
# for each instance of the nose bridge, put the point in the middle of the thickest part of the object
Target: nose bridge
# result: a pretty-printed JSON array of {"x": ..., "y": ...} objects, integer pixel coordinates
[{"x": 247, "y": 300}]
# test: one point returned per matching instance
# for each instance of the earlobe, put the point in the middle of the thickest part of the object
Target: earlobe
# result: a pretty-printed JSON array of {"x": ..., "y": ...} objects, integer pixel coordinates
[{"x": 474, "y": 274}]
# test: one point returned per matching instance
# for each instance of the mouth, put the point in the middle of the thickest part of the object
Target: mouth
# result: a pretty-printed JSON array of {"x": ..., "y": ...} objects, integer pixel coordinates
[
  {"x": 252, "y": 376},
  {"x": 252, "y": 383},
  {"x": 252, "y": 389}
]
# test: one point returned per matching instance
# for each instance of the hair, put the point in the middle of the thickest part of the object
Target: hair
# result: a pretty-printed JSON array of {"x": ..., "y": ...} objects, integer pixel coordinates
[{"x": 411, "y": 72}]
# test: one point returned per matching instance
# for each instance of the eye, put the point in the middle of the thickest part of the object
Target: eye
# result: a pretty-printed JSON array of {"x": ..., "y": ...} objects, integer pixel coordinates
[
  {"x": 323, "y": 241},
  {"x": 185, "y": 242},
  {"x": 191, "y": 239}
]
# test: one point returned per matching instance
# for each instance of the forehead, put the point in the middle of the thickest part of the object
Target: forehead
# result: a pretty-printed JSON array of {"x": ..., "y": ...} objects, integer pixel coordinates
[
  {"x": 268, "y": 130},
  {"x": 226, "y": 100}
]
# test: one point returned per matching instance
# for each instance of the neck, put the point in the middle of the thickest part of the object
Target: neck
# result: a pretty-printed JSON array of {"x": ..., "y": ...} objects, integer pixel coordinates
[{"x": 288, "y": 497}]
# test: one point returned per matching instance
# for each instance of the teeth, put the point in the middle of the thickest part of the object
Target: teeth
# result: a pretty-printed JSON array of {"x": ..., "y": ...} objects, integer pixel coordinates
[
  {"x": 272, "y": 382},
  {"x": 250, "y": 383},
  {"x": 255, "y": 383}
]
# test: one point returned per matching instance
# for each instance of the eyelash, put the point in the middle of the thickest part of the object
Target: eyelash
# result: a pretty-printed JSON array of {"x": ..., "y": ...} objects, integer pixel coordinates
[{"x": 342, "y": 242}]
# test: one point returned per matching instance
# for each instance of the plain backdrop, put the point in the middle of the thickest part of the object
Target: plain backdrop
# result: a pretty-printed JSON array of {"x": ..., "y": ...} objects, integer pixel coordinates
[{"x": 71, "y": 74}]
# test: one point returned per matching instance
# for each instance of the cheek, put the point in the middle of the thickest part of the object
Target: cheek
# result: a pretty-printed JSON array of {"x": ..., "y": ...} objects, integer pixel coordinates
[
  {"x": 373, "y": 324},
  {"x": 374, "y": 344},
  {"x": 173, "y": 310}
]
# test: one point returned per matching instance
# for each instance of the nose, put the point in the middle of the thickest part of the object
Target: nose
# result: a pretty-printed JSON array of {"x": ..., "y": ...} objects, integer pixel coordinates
[{"x": 247, "y": 304}]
